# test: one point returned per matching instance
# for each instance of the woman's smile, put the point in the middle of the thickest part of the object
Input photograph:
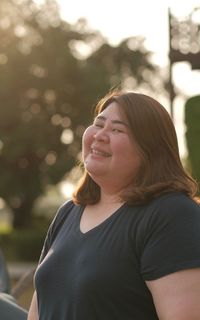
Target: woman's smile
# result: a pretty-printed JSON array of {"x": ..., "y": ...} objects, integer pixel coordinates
[{"x": 99, "y": 152}]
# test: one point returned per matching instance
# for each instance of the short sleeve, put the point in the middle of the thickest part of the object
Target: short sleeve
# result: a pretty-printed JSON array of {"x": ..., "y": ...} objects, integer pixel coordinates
[
  {"x": 171, "y": 237},
  {"x": 55, "y": 226}
]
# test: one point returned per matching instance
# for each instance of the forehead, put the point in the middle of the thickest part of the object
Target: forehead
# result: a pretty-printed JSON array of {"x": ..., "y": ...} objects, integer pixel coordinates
[
  {"x": 112, "y": 109},
  {"x": 114, "y": 114}
]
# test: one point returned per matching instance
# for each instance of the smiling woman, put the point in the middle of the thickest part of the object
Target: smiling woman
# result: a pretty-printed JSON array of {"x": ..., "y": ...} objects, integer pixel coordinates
[
  {"x": 148, "y": 129},
  {"x": 108, "y": 148},
  {"x": 128, "y": 245}
]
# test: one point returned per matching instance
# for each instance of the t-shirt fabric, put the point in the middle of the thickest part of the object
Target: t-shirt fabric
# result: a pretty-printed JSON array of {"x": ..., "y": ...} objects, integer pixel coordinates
[{"x": 100, "y": 274}]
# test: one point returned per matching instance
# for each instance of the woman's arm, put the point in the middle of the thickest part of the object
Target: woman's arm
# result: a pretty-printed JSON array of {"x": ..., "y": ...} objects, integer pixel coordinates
[
  {"x": 33, "y": 311},
  {"x": 177, "y": 295}
]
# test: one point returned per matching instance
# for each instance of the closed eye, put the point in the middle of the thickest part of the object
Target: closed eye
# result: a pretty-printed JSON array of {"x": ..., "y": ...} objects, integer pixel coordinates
[
  {"x": 98, "y": 124},
  {"x": 116, "y": 130}
]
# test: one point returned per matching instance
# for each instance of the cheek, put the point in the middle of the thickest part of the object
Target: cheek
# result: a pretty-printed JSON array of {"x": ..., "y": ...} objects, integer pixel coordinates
[
  {"x": 87, "y": 139},
  {"x": 135, "y": 159},
  {"x": 129, "y": 153},
  {"x": 123, "y": 146}
]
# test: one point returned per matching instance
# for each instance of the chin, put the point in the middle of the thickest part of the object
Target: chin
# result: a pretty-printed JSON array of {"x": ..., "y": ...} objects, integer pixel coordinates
[{"x": 95, "y": 173}]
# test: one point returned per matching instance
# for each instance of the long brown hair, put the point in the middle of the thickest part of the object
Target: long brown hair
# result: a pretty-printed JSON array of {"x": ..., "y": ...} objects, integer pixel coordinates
[{"x": 161, "y": 170}]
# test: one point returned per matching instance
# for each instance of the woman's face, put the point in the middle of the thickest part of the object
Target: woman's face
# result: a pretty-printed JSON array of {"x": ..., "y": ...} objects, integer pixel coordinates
[{"x": 109, "y": 153}]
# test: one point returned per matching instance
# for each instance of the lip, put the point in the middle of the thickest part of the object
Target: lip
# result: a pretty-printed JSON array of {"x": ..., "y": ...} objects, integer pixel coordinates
[{"x": 100, "y": 152}]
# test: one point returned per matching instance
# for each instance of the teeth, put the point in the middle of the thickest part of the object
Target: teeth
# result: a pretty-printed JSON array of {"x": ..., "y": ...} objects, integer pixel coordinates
[{"x": 100, "y": 153}]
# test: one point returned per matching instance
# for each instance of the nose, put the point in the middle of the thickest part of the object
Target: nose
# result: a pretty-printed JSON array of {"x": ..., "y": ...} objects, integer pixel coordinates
[{"x": 102, "y": 135}]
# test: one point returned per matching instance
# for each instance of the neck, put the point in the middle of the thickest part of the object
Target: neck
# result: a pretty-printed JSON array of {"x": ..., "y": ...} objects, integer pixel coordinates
[{"x": 110, "y": 198}]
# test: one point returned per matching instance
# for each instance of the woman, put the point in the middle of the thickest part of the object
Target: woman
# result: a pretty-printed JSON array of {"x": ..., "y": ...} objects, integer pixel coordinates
[{"x": 128, "y": 245}]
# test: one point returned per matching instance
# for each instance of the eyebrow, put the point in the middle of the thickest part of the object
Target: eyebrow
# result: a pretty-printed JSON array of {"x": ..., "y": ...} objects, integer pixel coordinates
[{"x": 113, "y": 121}]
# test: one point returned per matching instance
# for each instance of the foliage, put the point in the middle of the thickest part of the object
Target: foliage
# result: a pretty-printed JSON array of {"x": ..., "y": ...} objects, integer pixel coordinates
[
  {"x": 23, "y": 245},
  {"x": 46, "y": 93},
  {"x": 192, "y": 120}
]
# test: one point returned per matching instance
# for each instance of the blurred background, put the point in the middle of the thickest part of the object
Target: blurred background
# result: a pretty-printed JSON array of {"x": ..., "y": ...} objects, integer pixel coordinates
[{"x": 57, "y": 59}]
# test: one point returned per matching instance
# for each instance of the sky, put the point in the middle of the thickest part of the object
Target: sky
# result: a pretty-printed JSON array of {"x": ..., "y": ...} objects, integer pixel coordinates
[
  {"x": 118, "y": 19},
  {"x": 149, "y": 18}
]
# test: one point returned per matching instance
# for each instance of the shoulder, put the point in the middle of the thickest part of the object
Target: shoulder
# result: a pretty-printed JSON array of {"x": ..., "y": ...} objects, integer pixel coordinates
[
  {"x": 60, "y": 217},
  {"x": 56, "y": 225},
  {"x": 63, "y": 212},
  {"x": 175, "y": 198},
  {"x": 173, "y": 205},
  {"x": 170, "y": 236},
  {"x": 65, "y": 207},
  {"x": 163, "y": 211},
  {"x": 173, "y": 213}
]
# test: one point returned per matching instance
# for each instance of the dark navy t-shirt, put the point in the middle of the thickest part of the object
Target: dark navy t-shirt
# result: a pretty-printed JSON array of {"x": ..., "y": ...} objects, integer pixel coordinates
[{"x": 100, "y": 274}]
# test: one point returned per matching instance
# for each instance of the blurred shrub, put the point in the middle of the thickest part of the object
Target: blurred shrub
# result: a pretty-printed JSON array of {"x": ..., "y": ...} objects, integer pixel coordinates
[
  {"x": 192, "y": 121},
  {"x": 25, "y": 244}
]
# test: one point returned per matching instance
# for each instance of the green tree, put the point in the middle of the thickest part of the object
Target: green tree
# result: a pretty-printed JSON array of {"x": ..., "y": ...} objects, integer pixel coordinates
[
  {"x": 192, "y": 120},
  {"x": 46, "y": 93}
]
